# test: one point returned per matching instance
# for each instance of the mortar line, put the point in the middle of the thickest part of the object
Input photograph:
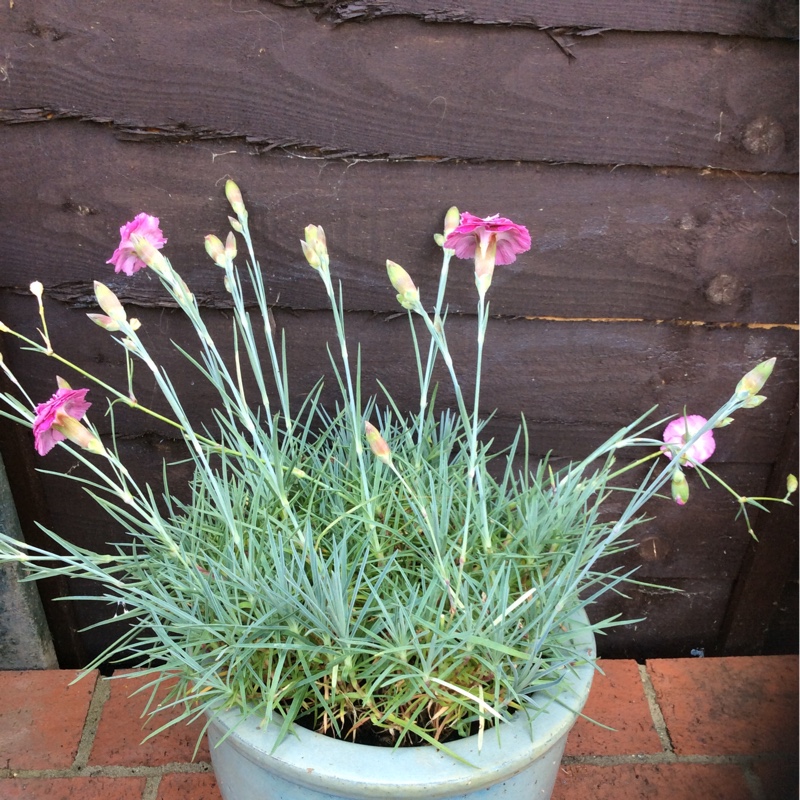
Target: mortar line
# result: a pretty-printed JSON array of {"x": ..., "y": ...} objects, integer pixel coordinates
[
  {"x": 101, "y": 693},
  {"x": 655, "y": 710},
  {"x": 151, "y": 788}
]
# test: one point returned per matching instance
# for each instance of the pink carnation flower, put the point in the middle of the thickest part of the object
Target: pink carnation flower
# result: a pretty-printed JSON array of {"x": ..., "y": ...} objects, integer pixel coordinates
[
  {"x": 64, "y": 403},
  {"x": 125, "y": 258},
  {"x": 510, "y": 239},
  {"x": 680, "y": 430}
]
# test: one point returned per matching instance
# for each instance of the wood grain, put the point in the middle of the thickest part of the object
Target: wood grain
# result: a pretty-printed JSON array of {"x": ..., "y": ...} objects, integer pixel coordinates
[
  {"x": 630, "y": 243},
  {"x": 576, "y": 382},
  {"x": 278, "y": 77},
  {"x": 714, "y": 16}
]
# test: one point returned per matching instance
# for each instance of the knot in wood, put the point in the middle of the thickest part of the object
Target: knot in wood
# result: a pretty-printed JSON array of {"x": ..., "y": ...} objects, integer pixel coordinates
[
  {"x": 724, "y": 290},
  {"x": 763, "y": 136}
]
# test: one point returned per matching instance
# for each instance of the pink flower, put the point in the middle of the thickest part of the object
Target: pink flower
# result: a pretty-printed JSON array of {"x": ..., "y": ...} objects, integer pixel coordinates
[
  {"x": 680, "y": 430},
  {"x": 125, "y": 258},
  {"x": 64, "y": 405},
  {"x": 473, "y": 232}
]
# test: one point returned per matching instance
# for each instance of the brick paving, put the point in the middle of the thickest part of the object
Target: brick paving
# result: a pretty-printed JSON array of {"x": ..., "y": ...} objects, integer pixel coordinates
[{"x": 686, "y": 729}]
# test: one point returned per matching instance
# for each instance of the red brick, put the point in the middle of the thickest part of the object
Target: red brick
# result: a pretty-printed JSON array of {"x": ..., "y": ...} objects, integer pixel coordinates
[
  {"x": 41, "y": 717},
  {"x": 652, "y": 781},
  {"x": 185, "y": 785},
  {"x": 729, "y": 706},
  {"x": 122, "y": 729},
  {"x": 617, "y": 699},
  {"x": 779, "y": 777},
  {"x": 85, "y": 788}
]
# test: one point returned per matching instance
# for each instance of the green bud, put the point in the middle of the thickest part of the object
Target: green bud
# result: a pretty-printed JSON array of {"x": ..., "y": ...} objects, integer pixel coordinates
[
  {"x": 377, "y": 444},
  {"x": 451, "y": 220},
  {"x": 791, "y": 484},
  {"x": 234, "y": 196},
  {"x": 109, "y": 302},
  {"x": 680, "y": 488},
  {"x": 215, "y": 250},
  {"x": 104, "y": 322},
  {"x": 230, "y": 246},
  {"x": 754, "y": 401},
  {"x": 235, "y": 224},
  {"x": 723, "y": 423},
  {"x": 756, "y": 378},
  {"x": 407, "y": 292}
]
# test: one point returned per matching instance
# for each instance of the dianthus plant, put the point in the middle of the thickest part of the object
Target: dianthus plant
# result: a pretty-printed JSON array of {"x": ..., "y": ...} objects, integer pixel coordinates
[{"x": 365, "y": 569}]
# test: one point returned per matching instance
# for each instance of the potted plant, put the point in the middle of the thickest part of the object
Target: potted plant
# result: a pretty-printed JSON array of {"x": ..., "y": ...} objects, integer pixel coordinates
[{"x": 358, "y": 585}]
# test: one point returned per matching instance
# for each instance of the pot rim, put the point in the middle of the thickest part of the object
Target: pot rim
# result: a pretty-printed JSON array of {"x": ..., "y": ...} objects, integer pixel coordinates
[{"x": 318, "y": 761}]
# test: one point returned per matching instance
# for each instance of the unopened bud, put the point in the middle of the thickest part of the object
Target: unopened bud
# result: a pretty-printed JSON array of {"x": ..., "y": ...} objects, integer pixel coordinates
[
  {"x": 215, "y": 249},
  {"x": 109, "y": 302},
  {"x": 680, "y": 488},
  {"x": 104, "y": 322},
  {"x": 77, "y": 433},
  {"x": 147, "y": 252},
  {"x": 37, "y": 289},
  {"x": 723, "y": 423},
  {"x": 315, "y": 247},
  {"x": 791, "y": 484},
  {"x": 377, "y": 444},
  {"x": 235, "y": 199},
  {"x": 235, "y": 224},
  {"x": 61, "y": 383},
  {"x": 451, "y": 220},
  {"x": 754, "y": 401},
  {"x": 230, "y": 246},
  {"x": 756, "y": 378},
  {"x": 407, "y": 292},
  {"x": 4, "y": 328},
  {"x": 311, "y": 255}
]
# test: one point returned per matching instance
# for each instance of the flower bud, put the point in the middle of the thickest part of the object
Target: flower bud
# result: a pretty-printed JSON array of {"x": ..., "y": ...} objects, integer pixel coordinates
[
  {"x": 215, "y": 250},
  {"x": 311, "y": 255},
  {"x": 77, "y": 433},
  {"x": 4, "y": 328},
  {"x": 315, "y": 247},
  {"x": 148, "y": 253},
  {"x": 230, "y": 246},
  {"x": 61, "y": 383},
  {"x": 234, "y": 196},
  {"x": 723, "y": 423},
  {"x": 451, "y": 220},
  {"x": 791, "y": 484},
  {"x": 109, "y": 302},
  {"x": 756, "y": 378},
  {"x": 37, "y": 289},
  {"x": 407, "y": 292},
  {"x": 754, "y": 401},
  {"x": 104, "y": 322},
  {"x": 235, "y": 224},
  {"x": 680, "y": 487},
  {"x": 377, "y": 444}
]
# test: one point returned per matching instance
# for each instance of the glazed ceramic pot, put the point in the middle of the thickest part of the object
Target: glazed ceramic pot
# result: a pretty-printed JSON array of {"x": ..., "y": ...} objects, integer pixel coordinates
[{"x": 520, "y": 764}]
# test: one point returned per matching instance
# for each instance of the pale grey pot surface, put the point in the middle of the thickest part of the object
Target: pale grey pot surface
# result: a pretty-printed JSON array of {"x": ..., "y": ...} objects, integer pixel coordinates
[{"x": 522, "y": 764}]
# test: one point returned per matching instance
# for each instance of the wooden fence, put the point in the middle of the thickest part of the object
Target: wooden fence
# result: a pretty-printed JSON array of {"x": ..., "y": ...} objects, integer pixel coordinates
[{"x": 651, "y": 148}]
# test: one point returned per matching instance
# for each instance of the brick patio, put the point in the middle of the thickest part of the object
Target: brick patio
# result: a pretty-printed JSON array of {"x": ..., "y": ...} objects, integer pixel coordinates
[{"x": 694, "y": 729}]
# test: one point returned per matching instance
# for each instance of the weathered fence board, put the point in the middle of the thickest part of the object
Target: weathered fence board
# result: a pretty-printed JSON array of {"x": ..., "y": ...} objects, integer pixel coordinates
[
  {"x": 402, "y": 88},
  {"x": 576, "y": 382},
  {"x": 656, "y": 171},
  {"x": 630, "y": 243},
  {"x": 756, "y": 18}
]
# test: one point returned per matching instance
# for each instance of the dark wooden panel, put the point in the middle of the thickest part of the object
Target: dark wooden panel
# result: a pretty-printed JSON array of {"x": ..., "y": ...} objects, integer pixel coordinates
[
  {"x": 577, "y": 382},
  {"x": 674, "y": 624},
  {"x": 755, "y": 18},
  {"x": 401, "y": 88},
  {"x": 628, "y": 243},
  {"x": 768, "y": 568}
]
